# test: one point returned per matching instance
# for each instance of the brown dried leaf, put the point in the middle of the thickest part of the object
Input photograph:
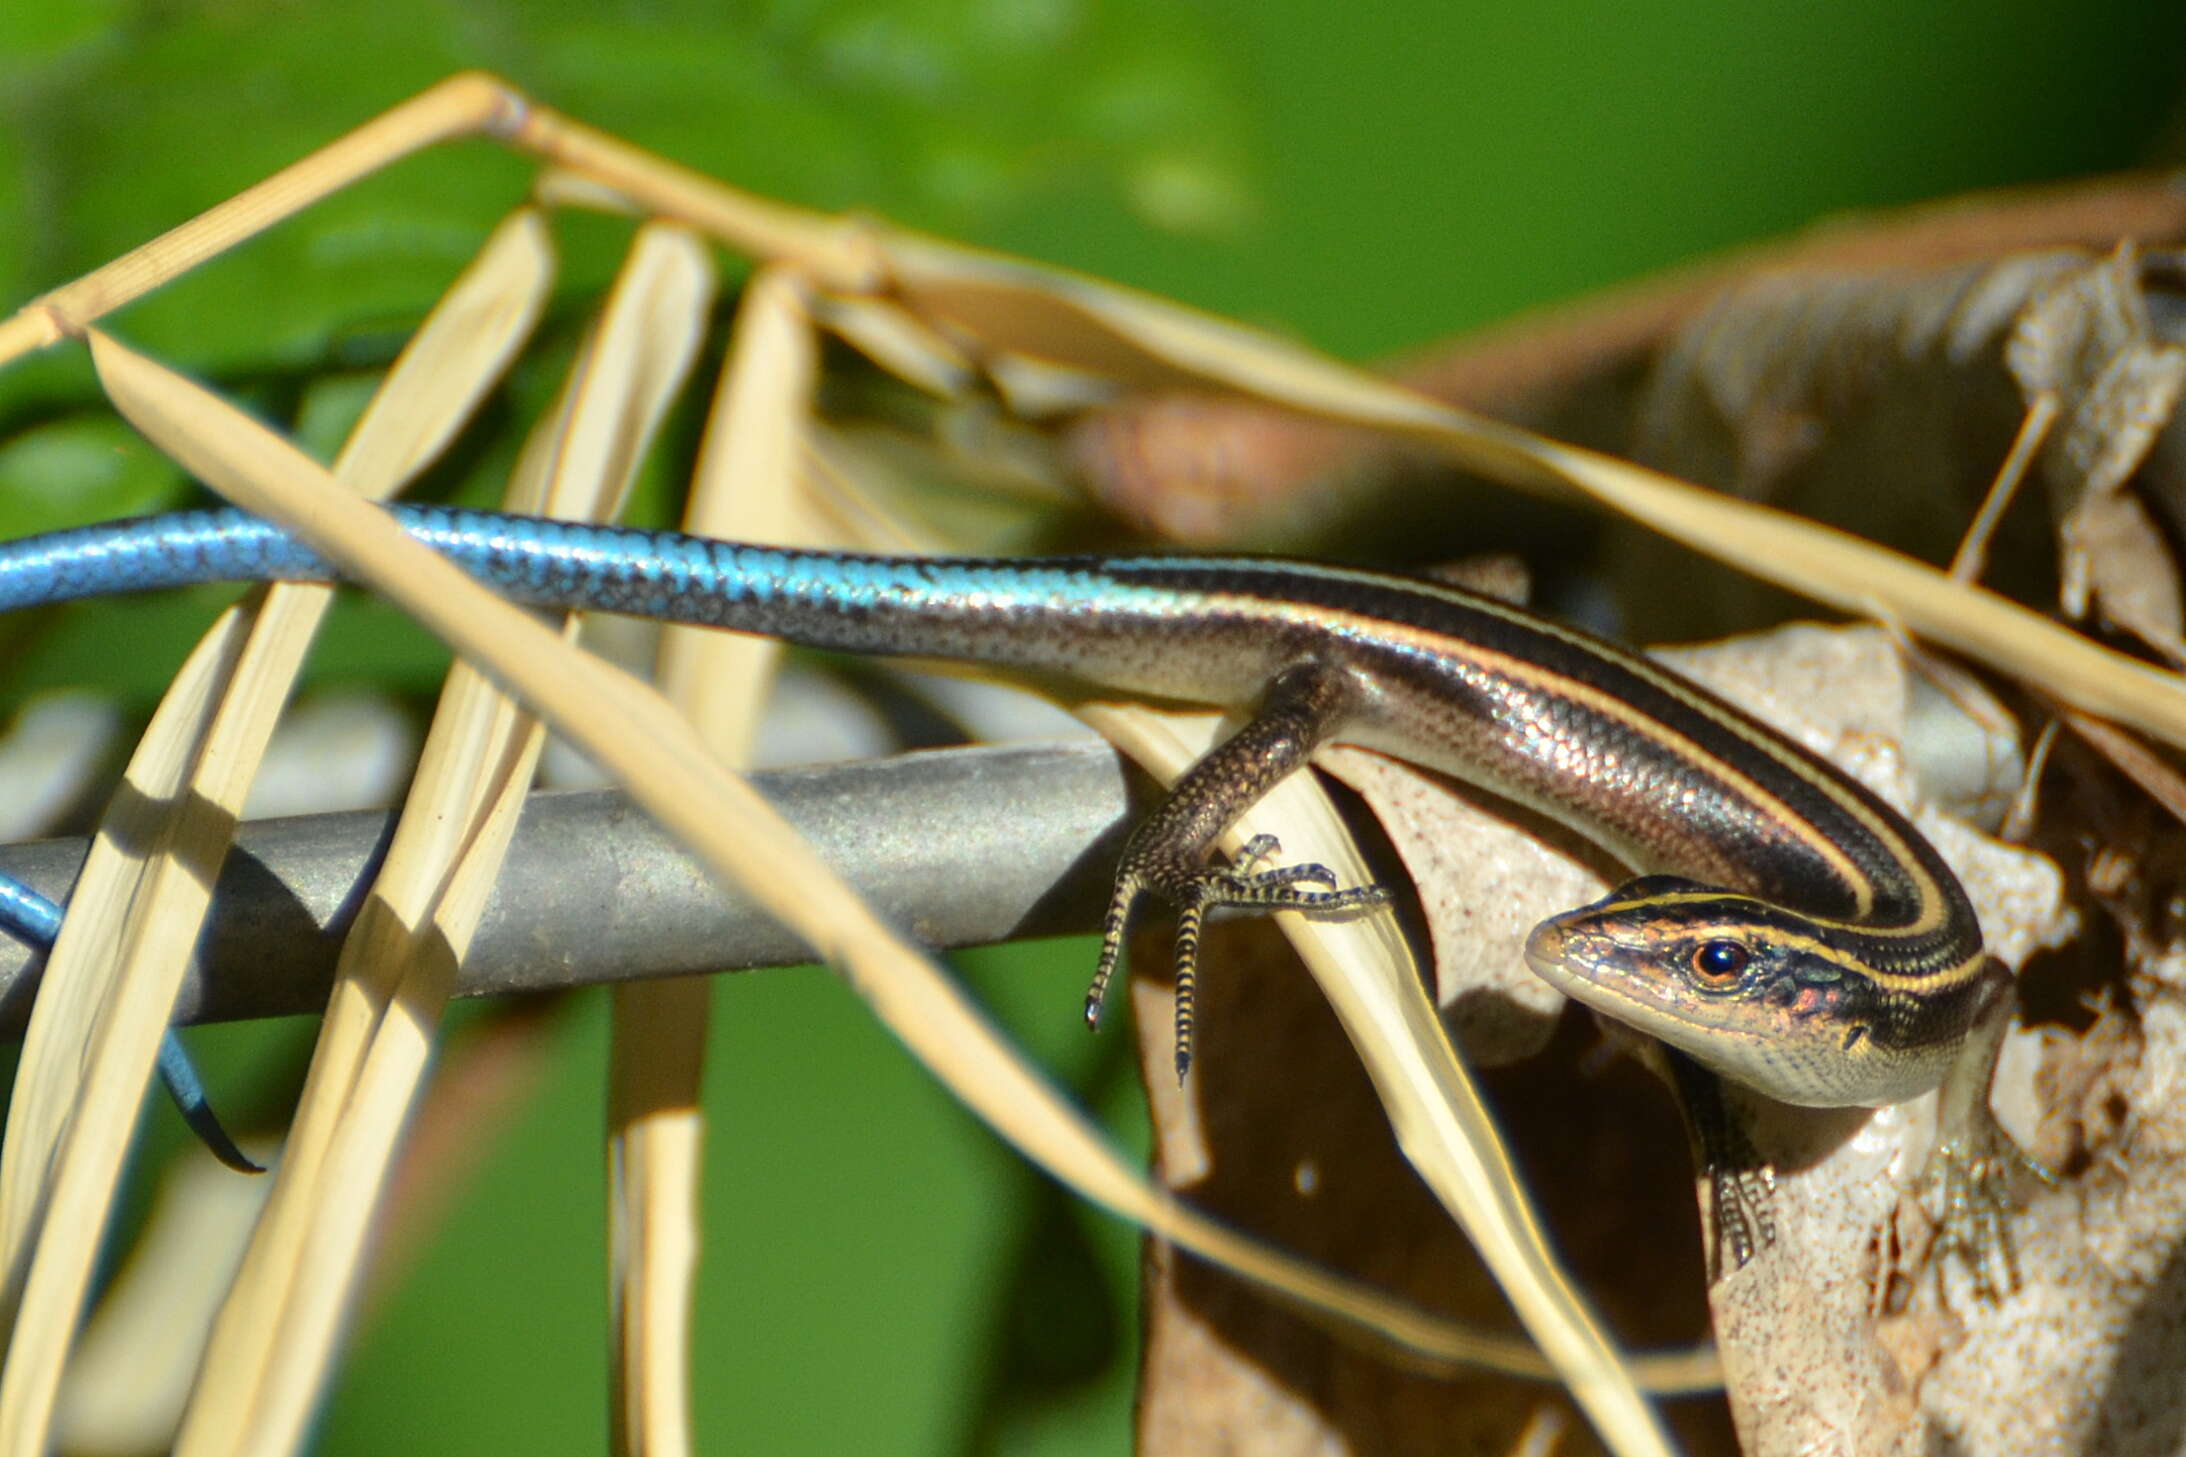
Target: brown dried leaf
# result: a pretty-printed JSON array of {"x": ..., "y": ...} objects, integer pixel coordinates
[
  {"x": 1281, "y": 1130},
  {"x": 2089, "y": 344},
  {"x": 1214, "y": 470}
]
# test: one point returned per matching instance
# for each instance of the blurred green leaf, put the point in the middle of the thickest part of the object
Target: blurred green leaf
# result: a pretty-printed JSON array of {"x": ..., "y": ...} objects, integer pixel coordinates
[
  {"x": 42, "y": 34},
  {"x": 951, "y": 113},
  {"x": 84, "y": 468}
]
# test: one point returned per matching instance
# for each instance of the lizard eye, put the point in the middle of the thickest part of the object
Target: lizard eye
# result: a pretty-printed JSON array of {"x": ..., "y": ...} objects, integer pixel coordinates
[{"x": 1718, "y": 963}]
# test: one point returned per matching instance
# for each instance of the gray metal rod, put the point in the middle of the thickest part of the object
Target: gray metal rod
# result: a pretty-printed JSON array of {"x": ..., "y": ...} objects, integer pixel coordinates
[{"x": 962, "y": 847}]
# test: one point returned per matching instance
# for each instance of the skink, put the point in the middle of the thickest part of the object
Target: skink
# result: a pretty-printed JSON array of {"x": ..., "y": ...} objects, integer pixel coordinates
[{"x": 1789, "y": 929}]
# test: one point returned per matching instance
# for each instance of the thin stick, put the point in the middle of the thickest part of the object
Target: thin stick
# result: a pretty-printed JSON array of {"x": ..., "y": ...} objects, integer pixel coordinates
[{"x": 1972, "y": 557}]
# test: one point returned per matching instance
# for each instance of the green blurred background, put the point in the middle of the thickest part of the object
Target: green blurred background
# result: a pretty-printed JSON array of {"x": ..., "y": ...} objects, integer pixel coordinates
[{"x": 879, "y": 1276}]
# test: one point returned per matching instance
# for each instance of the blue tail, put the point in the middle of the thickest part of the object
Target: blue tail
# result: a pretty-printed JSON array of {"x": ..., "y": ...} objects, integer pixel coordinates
[{"x": 30, "y": 916}]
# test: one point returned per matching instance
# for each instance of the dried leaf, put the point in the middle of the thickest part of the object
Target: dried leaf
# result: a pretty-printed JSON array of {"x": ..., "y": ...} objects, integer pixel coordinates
[
  {"x": 1214, "y": 470},
  {"x": 2089, "y": 345}
]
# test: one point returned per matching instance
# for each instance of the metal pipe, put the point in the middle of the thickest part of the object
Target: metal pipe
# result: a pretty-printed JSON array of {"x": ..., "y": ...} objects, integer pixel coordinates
[{"x": 961, "y": 846}]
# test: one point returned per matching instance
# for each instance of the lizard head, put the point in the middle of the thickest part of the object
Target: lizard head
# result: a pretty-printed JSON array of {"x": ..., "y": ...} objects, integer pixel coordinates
[{"x": 1750, "y": 990}]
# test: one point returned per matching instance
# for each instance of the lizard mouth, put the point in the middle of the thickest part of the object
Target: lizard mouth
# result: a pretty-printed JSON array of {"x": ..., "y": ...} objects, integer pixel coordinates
[
  {"x": 1593, "y": 966},
  {"x": 1545, "y": 955},
  {"x": 1573, "y": 961}
]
